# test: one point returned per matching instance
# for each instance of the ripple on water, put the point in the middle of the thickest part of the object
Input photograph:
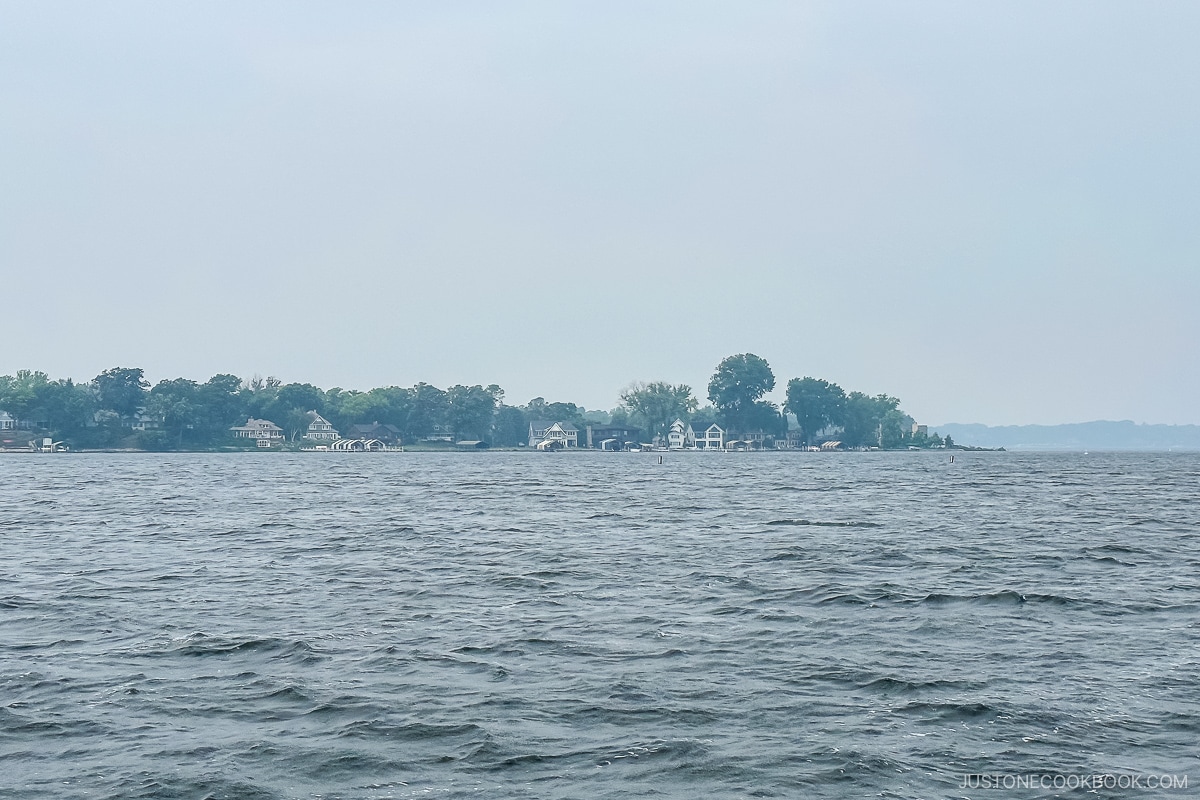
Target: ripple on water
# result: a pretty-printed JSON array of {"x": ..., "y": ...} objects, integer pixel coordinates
[{"x": 593, "y": 625}]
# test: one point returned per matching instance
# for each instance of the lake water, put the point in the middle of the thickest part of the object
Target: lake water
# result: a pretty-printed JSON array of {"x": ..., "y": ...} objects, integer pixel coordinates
[{"x": 595, "y": 625}]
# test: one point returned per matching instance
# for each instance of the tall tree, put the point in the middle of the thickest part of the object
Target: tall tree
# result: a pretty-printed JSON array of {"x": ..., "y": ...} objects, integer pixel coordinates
[
  {"x": 298, "y": 395},
  {"x": 863, "y": 418},
  {"x": 657, "y": 404},
  {"x": 737, "y": 385},
  {"x": 174, "y": 405},
  {"x": 122, "y": 390},
  {"x": 427, "y": 412},
  {"x": 765, "y": 416},
  {"x": 65, "y": 406},
  {"x": 470, "y": 410},
  {"x": 511, "y": 427},
  {"x": 816, "y": 403},
  {"x": 259, "y": 395},
  {"x": 295, "y": 422},
  {"x": 19, "y": 393},
  {"x": 539, "y": 409},
  {"x": 221, "y": 404},
  {"x": 389, "y": 404},
  {"x": 891, "y": 429}
]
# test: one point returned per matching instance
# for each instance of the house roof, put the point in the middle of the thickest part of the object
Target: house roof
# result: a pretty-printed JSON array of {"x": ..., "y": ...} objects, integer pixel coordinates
[
  {"x": 602, "y": 429},
  {"x": 543, "y": 424},
  {"x": 374, "y": 426},
  {"x": 253, "y": 424}
]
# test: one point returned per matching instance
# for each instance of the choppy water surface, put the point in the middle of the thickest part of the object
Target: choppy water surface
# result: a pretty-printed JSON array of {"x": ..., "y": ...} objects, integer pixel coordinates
[{"x": 593, "y": 625}]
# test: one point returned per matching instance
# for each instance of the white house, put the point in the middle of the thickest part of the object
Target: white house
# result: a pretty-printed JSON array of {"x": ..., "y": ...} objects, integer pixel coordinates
[
  {"x": 7, "y": 421},
  {"x": 142, "y": 421},
  {"x": 681, "y": 436},
  {"x": 544, "y": 434},
  {"x": 320, "y": 428},
  {"x": 263, "y": 430},
  {"x": 711, "y": 438}
]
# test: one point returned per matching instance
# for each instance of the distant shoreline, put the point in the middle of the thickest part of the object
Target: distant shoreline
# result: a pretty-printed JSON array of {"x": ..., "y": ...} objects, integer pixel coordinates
[
  {"x": 466, "y": 451},
  {"x": 1099, "y": 435}
]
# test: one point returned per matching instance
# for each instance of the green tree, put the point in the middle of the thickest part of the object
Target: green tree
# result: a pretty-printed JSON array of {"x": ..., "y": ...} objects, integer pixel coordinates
[
  {"x": 390, "y": 405},
  {"x": 427, "y": 412},
  {"x": 295, "y": 422},
  {"x": 511, "y": 427},
  {"x": 121, "y": 390},
  {"x": 259, "y": 396},
  {"x": 65, "y": 406},
  {"x": 297, "y": 395},
  {"x": 891, "y": 429},
  {"x": 19, "y": 394},
  {"x": 816, "y": 403},
  {"x": 657, "y": 404},
  {"x": 704, "y": 417},
  {"x": 539, "y": 409},
  {"x": 334, "y": 405},
  {"x": 736, "y": 386},
  {"x": 765, "y": 416},
  {"x": 470, "y": 410},
  {"x": 221, "y": 403},
  {"x": 174, "y": 405},
  {"x": 864, "y": 417}
]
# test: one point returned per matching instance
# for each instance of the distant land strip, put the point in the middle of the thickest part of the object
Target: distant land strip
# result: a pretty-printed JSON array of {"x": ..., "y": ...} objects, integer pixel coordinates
[
  {"x": 1098, "y": 435},
  {"x": 120, "y": 410}
]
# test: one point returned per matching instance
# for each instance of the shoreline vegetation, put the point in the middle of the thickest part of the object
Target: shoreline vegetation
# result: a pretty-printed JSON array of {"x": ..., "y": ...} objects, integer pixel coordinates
[{"x": 119, "y": 411}]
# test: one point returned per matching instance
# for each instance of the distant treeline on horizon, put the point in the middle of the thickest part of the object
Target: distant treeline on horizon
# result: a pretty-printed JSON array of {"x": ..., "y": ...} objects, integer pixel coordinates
[
  {"x": 119, "y": 408},
  {"x": 1097, "y": 435}
]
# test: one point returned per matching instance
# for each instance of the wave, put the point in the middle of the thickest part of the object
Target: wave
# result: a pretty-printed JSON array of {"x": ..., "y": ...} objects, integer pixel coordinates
[
  {"x": 199, "y": 645},
  {"x": 409, "y": 731},
  {"x": 826, "y": 523}
]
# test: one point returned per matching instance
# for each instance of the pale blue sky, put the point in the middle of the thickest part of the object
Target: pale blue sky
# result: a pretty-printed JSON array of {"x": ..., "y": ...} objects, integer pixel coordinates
[{"x": 987, "y": 210}]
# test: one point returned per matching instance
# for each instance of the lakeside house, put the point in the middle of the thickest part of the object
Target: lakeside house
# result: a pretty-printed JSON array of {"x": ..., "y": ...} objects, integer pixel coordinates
[
  {"x": 7, "y": 421},
  {"x": 320, "y": 429},
  {"x": 711, "y": 438},
  {"x": 681, "y": 436},
  {"x": 387, "y": 434},
  {"x": 442, "y": 432},
  {"x": 547, "y": 435},
  {"x": 142, "y": 421},
  {"x": 612, "y": 437},
  {"x": 263, "y": 431}
]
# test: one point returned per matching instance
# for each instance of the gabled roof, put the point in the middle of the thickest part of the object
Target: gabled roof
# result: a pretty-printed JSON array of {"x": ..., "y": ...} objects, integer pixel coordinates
[{"x": 545, "y": 424}]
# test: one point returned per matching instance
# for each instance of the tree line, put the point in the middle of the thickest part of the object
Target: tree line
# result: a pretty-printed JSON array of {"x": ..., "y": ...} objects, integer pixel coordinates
[{"x": 119, "y": 408}]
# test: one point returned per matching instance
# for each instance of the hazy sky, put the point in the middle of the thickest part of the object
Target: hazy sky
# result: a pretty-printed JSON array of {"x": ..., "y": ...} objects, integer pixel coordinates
[{"x": 989, "y": 210}]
